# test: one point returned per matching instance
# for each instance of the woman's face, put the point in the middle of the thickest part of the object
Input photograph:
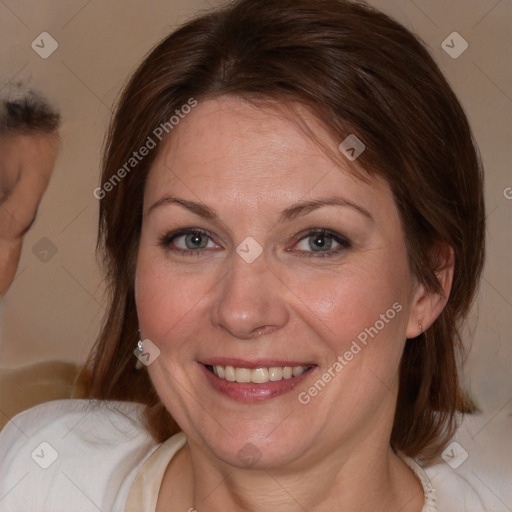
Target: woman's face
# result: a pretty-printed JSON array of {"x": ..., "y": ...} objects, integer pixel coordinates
[{"x": 257, "y": 254}]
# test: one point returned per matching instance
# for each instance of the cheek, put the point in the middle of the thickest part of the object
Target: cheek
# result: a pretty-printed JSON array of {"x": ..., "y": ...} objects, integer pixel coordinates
[
  {"x": 359, "y": 302},
  {"x": 165, "y": 299},
  {"x": 351, "y": 298}
]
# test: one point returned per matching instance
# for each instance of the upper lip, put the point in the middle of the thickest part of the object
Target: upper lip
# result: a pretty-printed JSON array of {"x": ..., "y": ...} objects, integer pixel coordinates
[{"x": 258, "y": 363}]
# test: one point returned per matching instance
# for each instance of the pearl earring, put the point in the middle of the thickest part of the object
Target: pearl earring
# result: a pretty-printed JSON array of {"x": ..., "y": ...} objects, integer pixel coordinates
[{"x": 138, "y": 351}]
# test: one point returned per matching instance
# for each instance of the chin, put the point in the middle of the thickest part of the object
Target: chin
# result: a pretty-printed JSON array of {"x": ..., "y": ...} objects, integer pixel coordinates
[{"x": 251, "y": 449}]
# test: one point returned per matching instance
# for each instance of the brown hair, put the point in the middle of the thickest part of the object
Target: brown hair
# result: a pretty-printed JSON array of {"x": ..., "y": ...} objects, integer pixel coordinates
[{"x": 361, "y": 73}]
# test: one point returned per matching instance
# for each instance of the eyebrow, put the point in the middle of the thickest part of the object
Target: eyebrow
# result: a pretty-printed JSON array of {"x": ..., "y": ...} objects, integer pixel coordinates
[{"x": 292, "y": 212}]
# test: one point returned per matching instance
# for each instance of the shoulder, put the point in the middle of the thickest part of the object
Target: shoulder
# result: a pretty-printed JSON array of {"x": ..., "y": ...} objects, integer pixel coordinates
[
  {"x": 78, "y": 453},
  {"x": 475, "y": 471}
]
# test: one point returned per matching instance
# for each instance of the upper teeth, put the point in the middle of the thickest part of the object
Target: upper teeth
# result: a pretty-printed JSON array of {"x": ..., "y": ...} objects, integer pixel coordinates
[{"x": 257, "y": 375}]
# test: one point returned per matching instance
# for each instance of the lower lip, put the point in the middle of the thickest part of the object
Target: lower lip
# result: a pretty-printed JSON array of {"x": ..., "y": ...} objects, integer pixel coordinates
[{"x": 250, "y": 391}]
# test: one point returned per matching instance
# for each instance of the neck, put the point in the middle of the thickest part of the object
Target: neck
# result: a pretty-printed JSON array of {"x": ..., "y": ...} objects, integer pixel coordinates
[{"x": 359, "y": 479}]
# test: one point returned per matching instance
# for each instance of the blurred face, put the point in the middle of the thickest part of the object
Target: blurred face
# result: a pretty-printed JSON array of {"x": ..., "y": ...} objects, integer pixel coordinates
[
  {"x": 25, "y": 168},
  {"x": 26, "y": 163},
  {"x": 276, "y": 287}
]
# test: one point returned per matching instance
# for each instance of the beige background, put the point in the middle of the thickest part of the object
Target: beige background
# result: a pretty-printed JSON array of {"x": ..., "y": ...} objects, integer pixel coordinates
[{"x": 53, "y": 310}]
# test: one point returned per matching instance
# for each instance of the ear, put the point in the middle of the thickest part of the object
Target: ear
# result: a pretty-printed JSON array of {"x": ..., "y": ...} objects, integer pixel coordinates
[{"x": 426, "y": 306}]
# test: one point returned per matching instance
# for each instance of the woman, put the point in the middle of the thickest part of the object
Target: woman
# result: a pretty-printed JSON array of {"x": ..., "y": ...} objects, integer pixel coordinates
[{"x": 292, "y": 224}]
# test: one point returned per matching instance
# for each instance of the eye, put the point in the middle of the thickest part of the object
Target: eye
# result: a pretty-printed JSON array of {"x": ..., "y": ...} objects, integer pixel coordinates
[
  {"x": 315, "y": 243},
  {"x": 188, "y": 241},
  {"x": 323, "y": 242}
]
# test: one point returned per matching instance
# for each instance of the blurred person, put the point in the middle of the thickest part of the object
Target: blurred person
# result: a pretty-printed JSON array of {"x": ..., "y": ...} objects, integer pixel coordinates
[{"x": 29, "y": 143}]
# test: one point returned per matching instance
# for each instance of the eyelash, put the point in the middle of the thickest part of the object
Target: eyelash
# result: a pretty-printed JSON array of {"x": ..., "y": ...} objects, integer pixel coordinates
[{"x": 344, "y": 243}]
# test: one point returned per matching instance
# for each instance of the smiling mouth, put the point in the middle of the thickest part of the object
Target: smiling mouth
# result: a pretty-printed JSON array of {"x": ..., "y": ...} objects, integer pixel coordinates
[{"x": 261, "y": 375}]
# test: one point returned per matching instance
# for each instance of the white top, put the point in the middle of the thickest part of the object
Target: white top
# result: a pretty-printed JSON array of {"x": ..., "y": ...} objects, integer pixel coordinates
[{"x": 90, "y": 456}]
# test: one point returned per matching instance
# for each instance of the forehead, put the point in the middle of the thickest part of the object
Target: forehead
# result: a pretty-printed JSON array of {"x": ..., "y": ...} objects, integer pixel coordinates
[{"x": 229, "y": 148}]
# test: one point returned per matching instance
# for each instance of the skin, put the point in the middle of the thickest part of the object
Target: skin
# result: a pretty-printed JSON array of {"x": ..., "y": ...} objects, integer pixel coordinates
[
  {"x": 26, "y": 165},
  {"x": 249, "y": 164}
]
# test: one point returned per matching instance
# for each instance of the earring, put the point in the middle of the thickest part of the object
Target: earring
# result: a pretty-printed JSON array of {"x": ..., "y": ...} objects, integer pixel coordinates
[
  {"x": 421, "y": 327},
  {"x": 138, "y": 351}
]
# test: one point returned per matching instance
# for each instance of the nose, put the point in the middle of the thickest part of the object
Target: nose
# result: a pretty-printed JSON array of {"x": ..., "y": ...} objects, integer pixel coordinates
[{"x": 250, "y": 300}]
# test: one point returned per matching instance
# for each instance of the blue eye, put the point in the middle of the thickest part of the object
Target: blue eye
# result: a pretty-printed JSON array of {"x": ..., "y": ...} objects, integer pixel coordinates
[
  {"x": 315, "y": 243},
  {"x": 323, "y": 242},
  {"x": 193, "y": 241},
  {"x": 188, "y": 241}
]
